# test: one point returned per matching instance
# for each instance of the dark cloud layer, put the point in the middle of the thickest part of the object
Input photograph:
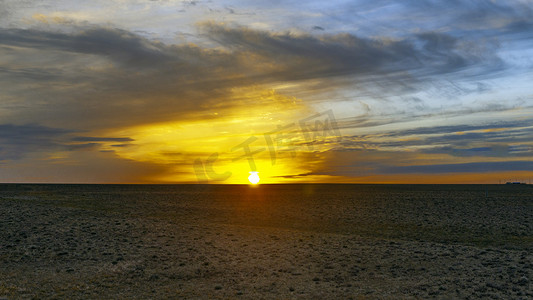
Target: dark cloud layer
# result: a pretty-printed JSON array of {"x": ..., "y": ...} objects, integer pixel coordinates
[
  {"x": 495, "y": 139},
  {"x": 100, "y": 139},
  {"x": 144, "y": 81},
  {"x": 477, "y": 167},
  {"x": 17, "y": 141},
  {"x": 120, "y": 45},
  {"x": 303, "y": 56},
  {"x": 464, "y": 17}
]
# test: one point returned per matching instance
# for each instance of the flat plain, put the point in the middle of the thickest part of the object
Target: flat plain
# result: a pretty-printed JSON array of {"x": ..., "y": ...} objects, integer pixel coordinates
[{"x": 308, "y": 241}]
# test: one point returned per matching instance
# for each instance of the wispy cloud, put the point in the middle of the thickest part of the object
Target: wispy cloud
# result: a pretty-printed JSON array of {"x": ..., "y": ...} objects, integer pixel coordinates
[
  {"x": 117, "y": 73},
  {"x": 477, "y": 167},
  {"x": 16, "y": 141}
]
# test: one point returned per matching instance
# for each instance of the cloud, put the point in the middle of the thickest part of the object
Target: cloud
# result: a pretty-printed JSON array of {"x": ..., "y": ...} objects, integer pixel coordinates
[
  {"x": 475, "y": 167},
  {"x": 361, "y": 163},
  {"x": 101, "y": 139},
  {"x": 491, "y": 126},
  {"x": 306, "y": 56},
  {"x": 489, "y": 150},
  {"x": 83, "y": 167},
  {"x": 109, "y": 77},
  {"x": 4, "y": 12},
  {"x": 105, "y": 77},
  {"x": 460, "y": 141},
  {"x": 119, "y": 45},
  {"x": 455, "y": 15},
  {"x": 19, "y": 140}
]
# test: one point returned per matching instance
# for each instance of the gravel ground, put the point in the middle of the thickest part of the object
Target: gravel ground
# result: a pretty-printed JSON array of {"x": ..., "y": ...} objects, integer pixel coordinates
[{"x": 269, "y": 242}]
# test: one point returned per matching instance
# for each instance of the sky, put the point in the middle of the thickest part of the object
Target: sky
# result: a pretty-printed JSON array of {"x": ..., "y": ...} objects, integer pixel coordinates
[{"x": 147, "y": 91}]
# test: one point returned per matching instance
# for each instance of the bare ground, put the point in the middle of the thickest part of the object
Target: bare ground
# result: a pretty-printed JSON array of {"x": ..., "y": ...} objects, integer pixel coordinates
[{"x": 271, "y": 242}]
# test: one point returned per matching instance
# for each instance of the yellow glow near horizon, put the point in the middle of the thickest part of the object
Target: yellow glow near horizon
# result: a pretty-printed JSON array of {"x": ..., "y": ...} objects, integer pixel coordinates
[{"x": 220, "y": 130}]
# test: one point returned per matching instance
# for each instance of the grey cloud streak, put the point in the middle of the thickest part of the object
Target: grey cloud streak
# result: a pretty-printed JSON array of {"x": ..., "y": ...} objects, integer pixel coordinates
[
  {"x": 500, "y": 166},
  {"x": 496, "y": 139},
  {"x": 17, "y": 141},
  {"x": 119, "y": 44},
  {"x": 309, "y": 57},
  {"x": 147, "y": 81}
]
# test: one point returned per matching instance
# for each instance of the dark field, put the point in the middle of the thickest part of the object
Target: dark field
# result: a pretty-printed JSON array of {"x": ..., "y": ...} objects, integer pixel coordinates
[{"x": 270, "y": 241}]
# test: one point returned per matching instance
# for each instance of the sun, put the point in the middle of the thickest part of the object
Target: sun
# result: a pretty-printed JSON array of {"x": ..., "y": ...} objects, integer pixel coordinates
[{"x": 253, "y": 178}]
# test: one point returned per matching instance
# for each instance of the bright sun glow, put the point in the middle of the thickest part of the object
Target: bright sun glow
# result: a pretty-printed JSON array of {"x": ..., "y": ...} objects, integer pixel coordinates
[
  {"x": 178, "y": 144},
  {"x": 253, "y": 178}
]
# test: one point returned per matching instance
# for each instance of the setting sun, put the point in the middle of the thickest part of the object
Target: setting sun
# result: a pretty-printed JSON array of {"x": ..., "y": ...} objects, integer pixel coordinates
[{"x": 253, "y": 178}]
